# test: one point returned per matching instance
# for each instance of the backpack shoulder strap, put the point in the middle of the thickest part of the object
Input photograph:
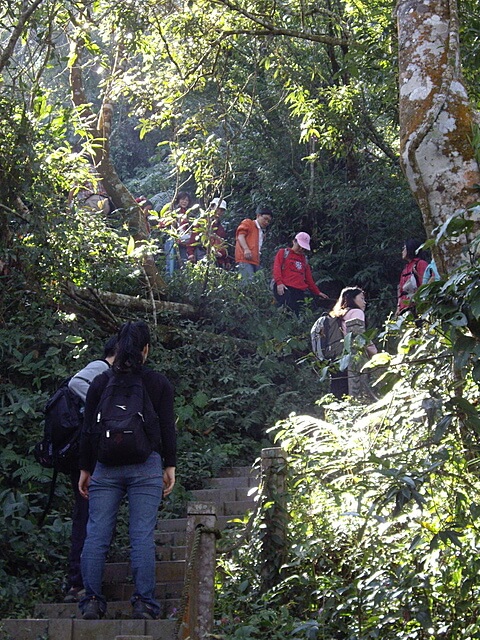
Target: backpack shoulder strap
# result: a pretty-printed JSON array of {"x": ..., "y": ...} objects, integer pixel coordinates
[
  {"x": 51, "y": 493},
  {"x": 415, "y": 271},
  {"x": 286, "y": 251}
]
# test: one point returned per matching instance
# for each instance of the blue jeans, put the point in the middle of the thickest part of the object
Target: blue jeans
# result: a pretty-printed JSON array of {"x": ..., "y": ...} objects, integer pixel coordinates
[
  {"x": 143, "y": 484},
  {"x": 170, "y": 257}
]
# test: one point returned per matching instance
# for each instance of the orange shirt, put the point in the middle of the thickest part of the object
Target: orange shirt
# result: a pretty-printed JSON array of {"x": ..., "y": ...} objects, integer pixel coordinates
[{"x": 251, "y": 231}]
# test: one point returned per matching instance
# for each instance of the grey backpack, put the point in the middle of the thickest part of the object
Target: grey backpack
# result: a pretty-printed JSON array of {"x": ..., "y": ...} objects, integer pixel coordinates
[{"x": 327, "y": 337}]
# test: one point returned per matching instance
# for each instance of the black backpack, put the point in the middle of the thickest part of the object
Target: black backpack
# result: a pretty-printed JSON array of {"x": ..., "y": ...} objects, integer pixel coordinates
[
  {"x": 127, "y": 426},
  {"x": 59, "y": 448},
  {"x": 327, "y": 337}
]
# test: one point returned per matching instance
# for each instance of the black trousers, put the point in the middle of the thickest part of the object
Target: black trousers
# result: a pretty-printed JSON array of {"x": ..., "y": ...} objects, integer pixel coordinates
[
  {"x": 79, "y": 531},
  {"x": 292, "y": 298},
  {"x": 339, "y": 384}
]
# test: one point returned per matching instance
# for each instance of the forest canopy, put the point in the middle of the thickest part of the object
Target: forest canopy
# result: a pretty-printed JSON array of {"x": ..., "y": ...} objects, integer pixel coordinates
[{"x": 353, "y": 123}]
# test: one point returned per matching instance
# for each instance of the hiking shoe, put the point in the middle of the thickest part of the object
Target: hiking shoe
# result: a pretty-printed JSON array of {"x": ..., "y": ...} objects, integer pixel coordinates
[
  {"x": 75, "y": 594},
  {"x": 91, "y": 611},
  {"x": 143, "y": 611}
]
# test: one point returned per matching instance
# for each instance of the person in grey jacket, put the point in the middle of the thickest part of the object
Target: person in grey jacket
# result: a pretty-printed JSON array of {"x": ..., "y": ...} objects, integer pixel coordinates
[
  {"x": 143, "y": 483},
  {"x": 80, "y": 384}
]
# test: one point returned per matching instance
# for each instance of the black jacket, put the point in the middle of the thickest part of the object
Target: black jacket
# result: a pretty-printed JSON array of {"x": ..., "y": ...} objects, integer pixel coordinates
[{"x": 161, "y": 394}]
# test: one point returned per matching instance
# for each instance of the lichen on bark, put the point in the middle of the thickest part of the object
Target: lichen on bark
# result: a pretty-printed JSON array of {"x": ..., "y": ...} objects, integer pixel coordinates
[{"x": 436, "y": 117}]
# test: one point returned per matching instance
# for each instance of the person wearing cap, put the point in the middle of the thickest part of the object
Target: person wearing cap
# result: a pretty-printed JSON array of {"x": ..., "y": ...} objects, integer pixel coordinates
[
  {"x": 248, "y": 242},
  {"x": 293, "y": 280},
  {"x": 215, "y": 233}
]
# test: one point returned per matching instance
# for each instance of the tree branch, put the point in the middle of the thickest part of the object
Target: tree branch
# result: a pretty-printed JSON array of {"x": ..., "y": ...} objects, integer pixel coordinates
[
  {"x": 269, "y": 29},
  {"x": 290, "y": 33},
  {"x": 378, "y": 141},
  {"x": 17, "y": 32}
]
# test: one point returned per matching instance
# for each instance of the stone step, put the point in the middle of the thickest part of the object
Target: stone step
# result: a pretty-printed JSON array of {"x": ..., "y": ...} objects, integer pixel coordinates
[
  {"x": 170, "y": 538},
  {"x": 75, "y": 629},
  {"x": 164, "y": 552},
  {"x": 232, "y": 492},
  {"x": 247, "y": 493},
  {"x": 116, "y": 610},
  {"x": 179, "y": 525},
  {"x": 168, "y": 571},
  {"x": 124, "y": 590},
  {"x": 238, "y": 508},
  {"x": 231, "y": 482},
  {"x": 219, "y": 496},
  {"x": 230, "y": 472},
  {"x": 216, "y": 496}
]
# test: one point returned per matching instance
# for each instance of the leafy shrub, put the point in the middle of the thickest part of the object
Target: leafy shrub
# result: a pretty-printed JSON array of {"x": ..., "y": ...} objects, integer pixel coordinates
[
  {"x": 382, "y": 527},
  {"x": 231, "y": 385}
]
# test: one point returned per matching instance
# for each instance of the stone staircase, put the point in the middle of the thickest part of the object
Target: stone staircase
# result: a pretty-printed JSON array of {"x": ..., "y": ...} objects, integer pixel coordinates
[{"x": 232, "y": 495}]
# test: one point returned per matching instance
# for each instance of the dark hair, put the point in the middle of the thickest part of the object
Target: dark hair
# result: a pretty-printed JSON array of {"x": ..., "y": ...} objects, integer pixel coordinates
[
  {"x": 142, "y": 201},
  {"x": 110, "y": 347},
  {"x": 262, "y": 210},
  {"x": 132, "y": 339},
  {"x": 346, "y": 301},
  {"x": 180, "y": 195},
  {"x": 411, "y": 246}
]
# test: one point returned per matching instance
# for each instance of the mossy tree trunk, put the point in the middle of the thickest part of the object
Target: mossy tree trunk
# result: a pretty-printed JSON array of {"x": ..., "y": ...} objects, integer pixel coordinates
[
  {"x": 436, "y": 119},
  {"x": 98, "y": 129}
]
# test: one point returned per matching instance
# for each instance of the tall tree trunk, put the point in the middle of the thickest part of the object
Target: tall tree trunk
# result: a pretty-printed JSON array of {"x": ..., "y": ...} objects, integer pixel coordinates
[
  {"x": 99, "y": 129},
  {"x": 436, "y": 118}
]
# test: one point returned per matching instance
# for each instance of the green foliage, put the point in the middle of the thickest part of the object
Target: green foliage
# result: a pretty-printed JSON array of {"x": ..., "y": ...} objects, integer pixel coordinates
[
  {"x": 232, "y": 377},
  {"x": 383, "y": 499},
  {"x": 38, "y": 350},
  {"x": 313, "y": 134},
  {"x": 470, "y": 38},
  {"x": 307, "y": 134}
]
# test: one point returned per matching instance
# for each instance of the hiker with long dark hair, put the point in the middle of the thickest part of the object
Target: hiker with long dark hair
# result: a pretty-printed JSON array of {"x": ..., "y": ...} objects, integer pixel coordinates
[
  {"x": 350, "y": 309},
  {"x": 143, "y": 478},
  {"x": 412, "y": 275}
]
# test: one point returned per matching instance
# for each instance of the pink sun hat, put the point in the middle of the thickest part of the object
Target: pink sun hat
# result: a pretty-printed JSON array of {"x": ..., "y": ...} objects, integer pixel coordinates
[{"x": 303, "y": 240}]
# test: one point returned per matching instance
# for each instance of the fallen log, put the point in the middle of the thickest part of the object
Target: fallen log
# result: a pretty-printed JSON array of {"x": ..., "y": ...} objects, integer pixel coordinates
[
  {"x": 98, "y": 304},
  {"x": 108, "y": 298}
]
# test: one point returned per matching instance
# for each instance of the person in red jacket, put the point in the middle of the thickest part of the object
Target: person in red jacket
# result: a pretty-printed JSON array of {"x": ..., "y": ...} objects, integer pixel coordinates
[
  {"x": 248, "y": 242},
  {"x": 292, "y": 275},
  {"x": 412, "y": 275}
]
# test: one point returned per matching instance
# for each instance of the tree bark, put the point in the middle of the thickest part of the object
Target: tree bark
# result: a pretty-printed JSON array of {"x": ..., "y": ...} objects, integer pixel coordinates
[
  {"x": 99, "y": 130},
  {"x": 27, "y": 11},
  {"x": 436, "y": 120},
  {"x": 109, "y": 298},
  {"x": 99, "y": 304}
]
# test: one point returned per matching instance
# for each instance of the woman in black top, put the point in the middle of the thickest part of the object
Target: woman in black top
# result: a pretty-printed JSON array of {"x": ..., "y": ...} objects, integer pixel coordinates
[{"x": 144, "y": 483}]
